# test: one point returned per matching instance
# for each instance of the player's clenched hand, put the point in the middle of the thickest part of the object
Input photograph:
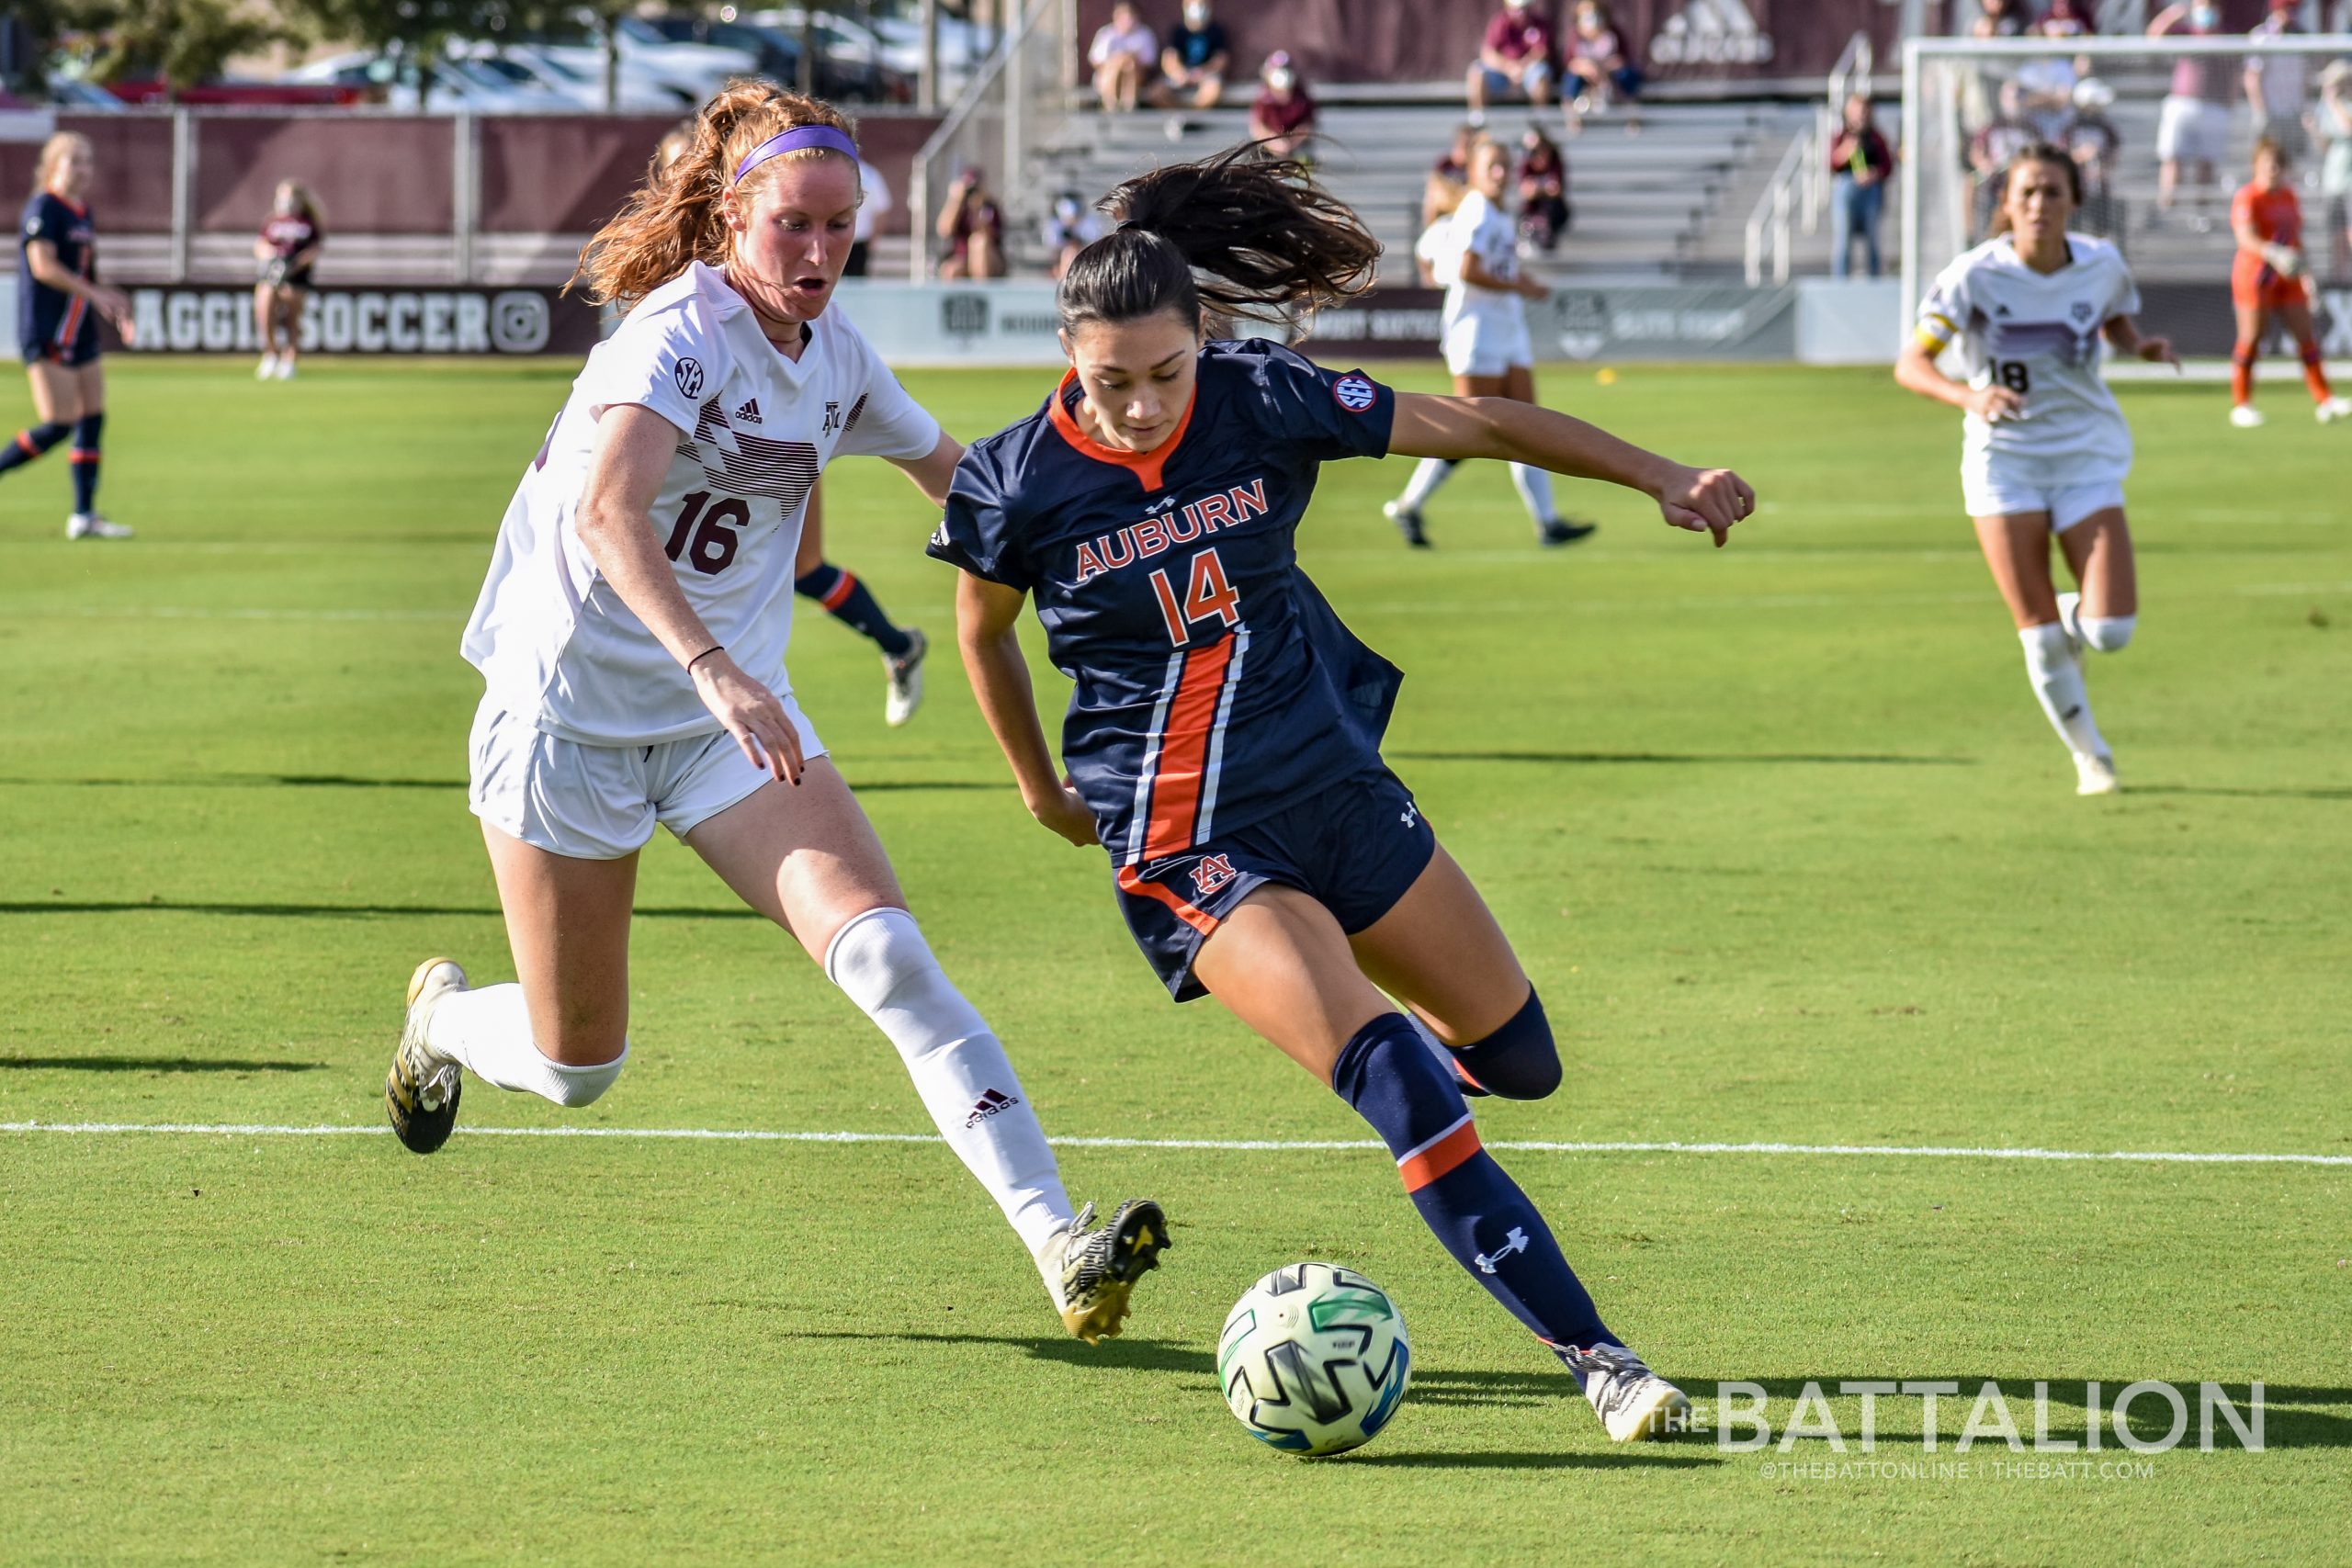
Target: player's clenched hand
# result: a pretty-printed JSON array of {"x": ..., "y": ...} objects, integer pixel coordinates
[
  {"x": 1706, "y": 501},
  {"x": 2159, "y": 351},
  {"x": 751, "y": 712},
  {"x": 1993, "y": 403},
  {"x": 1066, "y": 814}
]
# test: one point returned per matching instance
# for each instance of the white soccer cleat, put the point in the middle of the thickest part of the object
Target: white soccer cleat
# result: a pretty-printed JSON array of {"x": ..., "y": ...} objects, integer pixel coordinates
[
  {"x": 91, "y": 526},
  {"x": 268, "y": 369},
  {"x": 2332, "y": 409},
  {"x": 286, "y": 368},
  {"x": 904, "y": 672},
  {"x": 1634, "y": 1403},
  {"x": 2096, "y": 775},
  {"x": 2245, "y": 416}
]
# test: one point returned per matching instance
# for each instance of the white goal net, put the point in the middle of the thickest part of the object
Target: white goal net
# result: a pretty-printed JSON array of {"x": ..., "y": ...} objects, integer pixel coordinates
[{"x": 2126, "y": 108}]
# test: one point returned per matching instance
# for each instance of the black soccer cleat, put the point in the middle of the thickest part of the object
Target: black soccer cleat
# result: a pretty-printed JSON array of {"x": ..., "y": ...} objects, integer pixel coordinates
[
  {"x": 1097, "y": 1268},
  {"x": 421, "y": 1091},
  {"x": 1409, "y": 523},
  {"x": 1560, "y": 531}
]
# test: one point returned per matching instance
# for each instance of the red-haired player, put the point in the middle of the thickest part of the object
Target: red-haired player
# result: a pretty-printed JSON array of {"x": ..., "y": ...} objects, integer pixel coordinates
[{"x": 2266, "y": 282}]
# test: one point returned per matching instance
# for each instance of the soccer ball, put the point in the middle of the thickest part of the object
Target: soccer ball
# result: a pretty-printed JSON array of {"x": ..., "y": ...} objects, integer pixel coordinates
[{"x": 1313, "y": 1358}]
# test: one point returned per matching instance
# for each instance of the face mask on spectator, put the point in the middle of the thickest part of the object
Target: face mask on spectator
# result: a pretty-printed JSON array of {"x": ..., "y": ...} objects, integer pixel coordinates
[
  {"x": 1280, "y": 78},
  {"x": 2205, "y": 16},
  {"x": 1196, "y": 15}
]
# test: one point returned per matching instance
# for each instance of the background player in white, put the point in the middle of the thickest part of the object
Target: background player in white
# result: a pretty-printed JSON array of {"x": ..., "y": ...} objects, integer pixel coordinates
[
  {"x": 2046, "y": 449},
  {"x": 1474, "y": 254},
  {"x": 631, "y": 636}
]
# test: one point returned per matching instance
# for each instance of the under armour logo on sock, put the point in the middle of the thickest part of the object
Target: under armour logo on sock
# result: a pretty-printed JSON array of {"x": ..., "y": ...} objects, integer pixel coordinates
[
  {"x": 994, "y": 1101},
  {"x": 1515, "y": 1242}
]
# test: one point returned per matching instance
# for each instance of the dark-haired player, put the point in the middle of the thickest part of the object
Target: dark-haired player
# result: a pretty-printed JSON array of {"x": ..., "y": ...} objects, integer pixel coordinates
[
  {"x": 59, "y": 300},
  {"x": 1224, "y": 740}
]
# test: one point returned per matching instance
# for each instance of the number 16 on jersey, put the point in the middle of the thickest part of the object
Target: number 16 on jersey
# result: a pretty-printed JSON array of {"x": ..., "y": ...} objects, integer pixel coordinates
[{"x": 1207, "y": 596}]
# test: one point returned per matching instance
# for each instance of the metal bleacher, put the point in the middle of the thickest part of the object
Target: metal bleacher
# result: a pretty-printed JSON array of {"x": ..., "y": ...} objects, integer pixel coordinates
[{"x": 1644, "y": 198}]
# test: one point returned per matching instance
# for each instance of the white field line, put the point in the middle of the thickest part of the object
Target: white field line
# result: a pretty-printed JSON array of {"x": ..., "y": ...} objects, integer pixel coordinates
[
  {"x": 1400, "y": 607},
  {"x": 1236, "y": 1145}
]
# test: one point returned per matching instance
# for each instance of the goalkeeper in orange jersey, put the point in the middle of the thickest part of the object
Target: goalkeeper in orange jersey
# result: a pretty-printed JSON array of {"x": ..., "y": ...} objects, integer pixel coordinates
[{"x": 2266, "y": 284}]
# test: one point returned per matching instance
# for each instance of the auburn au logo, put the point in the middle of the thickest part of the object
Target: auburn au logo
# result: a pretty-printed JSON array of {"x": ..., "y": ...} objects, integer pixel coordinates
[{"x": 1212, "y": 873}]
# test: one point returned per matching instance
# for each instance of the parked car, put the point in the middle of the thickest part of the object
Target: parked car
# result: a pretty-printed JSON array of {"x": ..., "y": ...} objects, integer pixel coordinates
[
  {"x": 841, "y": 74},
  {"x": 80, "y": 96},
  {"x": 578, "y": 88},
  {"x": 285, "y": 93},
  {"x": 449, "y": 85}
]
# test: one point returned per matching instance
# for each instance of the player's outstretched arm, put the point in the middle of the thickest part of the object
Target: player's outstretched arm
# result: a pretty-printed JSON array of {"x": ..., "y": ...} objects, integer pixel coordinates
[
  {"x": 932, "y": 472},
  {"x": 2124, "y": 334},
  {"x": 986, "y": 614},
  {"x": 615, "y": 521},
  {"x": 1915, "y": 371},
  {"x": 1702, "y": 500}
]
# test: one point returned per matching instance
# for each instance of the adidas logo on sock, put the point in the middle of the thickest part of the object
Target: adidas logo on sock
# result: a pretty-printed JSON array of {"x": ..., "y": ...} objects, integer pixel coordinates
[
  {"x": 988, "y": 1105},
  {"x": 749, "y": 412}
]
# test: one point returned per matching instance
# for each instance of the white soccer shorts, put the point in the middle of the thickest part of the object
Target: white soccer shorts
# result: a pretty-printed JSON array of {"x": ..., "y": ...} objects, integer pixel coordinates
[
  {"x": 602, "y": 802},
  {"x": 1995, "y": 489},
  {"x": 1477, "y": 346}
]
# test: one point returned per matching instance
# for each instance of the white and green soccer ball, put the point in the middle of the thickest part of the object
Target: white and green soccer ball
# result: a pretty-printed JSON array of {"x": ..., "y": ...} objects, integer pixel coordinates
[{"x": 1313, "y": 1358}]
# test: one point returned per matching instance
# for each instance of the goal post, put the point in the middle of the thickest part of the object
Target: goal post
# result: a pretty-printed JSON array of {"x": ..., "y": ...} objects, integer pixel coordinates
[{"x": 1969, "y": 102}]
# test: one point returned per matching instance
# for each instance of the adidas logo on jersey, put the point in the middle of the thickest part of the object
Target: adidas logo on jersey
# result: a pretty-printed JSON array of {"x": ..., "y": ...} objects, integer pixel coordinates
[
  {"x": 988, "y": 1104},
  {"x": 748, "y": 412}
]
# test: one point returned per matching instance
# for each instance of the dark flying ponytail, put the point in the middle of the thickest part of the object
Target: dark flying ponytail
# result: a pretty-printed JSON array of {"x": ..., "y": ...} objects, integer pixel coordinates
[{"x": 1241, "y": 234}]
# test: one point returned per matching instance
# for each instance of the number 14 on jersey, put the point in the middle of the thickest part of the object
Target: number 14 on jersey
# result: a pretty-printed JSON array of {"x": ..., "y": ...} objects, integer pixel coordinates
[{"x": 1207, "y": 596}]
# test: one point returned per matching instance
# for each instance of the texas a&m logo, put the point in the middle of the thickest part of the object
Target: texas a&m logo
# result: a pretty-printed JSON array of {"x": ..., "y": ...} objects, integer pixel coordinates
[{"x": 1212, "y": 873}]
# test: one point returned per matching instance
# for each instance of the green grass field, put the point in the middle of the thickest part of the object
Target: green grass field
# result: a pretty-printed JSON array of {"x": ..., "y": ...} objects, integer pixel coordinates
[{"x": 1778, "y": 830}]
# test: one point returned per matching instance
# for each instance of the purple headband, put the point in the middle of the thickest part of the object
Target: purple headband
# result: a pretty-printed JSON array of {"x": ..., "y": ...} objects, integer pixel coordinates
[{"x": 793, "y": 140}]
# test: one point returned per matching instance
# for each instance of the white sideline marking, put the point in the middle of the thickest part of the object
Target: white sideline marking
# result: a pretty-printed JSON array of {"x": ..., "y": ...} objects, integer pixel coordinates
[{"x": 1238, "y": 1145}]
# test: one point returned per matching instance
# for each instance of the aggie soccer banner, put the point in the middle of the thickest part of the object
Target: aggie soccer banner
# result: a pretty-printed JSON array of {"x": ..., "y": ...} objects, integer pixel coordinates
[{"x": 476, "y": 321}]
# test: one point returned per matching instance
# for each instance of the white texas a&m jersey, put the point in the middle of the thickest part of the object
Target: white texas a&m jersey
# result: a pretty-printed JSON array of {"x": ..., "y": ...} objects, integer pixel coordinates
[
  {"x": 2038, "y": 334},
  {"x": 551, "y": 638},
  {"x": 1483, "y": 229}
]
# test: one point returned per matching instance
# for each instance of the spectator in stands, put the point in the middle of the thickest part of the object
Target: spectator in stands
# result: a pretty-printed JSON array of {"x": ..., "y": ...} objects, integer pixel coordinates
[
  {"x": 1282, "y": 118},
  {"x": 872, "y": 202},
  {"x": 1859, "y": 163},
  {"x": 1518, "y": 51},
  {"x": 2065, "y": 19},
  {"x": 2092, "y": 142},
  {"x": 2336, "y": 170},
  {"x": 1441, "y": 192},
  {"x": 287, "y": 247},
  {"x": 1998, "y": 18},
  {"x": 1990, "y": 152},
  {"x": 1598, "y": 64},
  {"x": 1122, "y": 54},
  {"x": 971, "y": 227},
  {"x": 2278, "y": 87},
  {"x": 1193, "y": 65},
  {"x": 1543, "y": 210},
  {"x": 2193, "y": 127},
  {"x": 1069, "y": 229}
]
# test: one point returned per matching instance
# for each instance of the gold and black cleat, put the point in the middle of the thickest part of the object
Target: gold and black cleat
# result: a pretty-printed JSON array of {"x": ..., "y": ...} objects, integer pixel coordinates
[
  {"x": 421, "y": 1091},
  {"x": 1097, "y": 1267}
]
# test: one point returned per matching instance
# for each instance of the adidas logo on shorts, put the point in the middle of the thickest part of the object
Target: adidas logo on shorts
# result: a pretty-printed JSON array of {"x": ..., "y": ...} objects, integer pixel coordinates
[
  {"x": 988, "y": 1105},
  {"x": 748, "y": 412}
]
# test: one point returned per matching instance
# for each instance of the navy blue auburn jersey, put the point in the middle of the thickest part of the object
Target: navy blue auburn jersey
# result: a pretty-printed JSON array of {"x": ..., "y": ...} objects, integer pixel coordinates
[
  {"x": 1215, "y": 684},
  {"x": 65, "y": 226}
]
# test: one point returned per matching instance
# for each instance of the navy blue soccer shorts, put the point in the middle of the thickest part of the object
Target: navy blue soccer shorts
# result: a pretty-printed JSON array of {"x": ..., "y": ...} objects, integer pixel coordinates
[
  {"x": 70, "y": 339},
  {"x": 1356, "y": 848}
]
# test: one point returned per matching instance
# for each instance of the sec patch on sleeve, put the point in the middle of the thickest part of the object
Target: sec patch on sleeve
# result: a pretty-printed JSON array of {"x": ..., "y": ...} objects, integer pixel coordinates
[
  {"x": 1355, "y": 392},
  {"x": 688, "y": 375}
]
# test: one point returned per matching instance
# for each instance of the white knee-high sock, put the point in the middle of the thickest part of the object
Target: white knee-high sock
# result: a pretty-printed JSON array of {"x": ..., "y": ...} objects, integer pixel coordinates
[
  {"x": 487, "y": 1032},
  {"x": 2056, "y": 672},
  {"x": 1535, "y": 487},
  {"x": 881, "y": 962},
  {"x": 1430, "y": 473}
]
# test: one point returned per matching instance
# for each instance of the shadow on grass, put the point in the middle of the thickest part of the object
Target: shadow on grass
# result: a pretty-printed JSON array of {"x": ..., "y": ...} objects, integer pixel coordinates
[
  {"x": 1651, "y": 1457},
  {"x": 1142, "y": 1355},
  {"x": 300, "y": 911},
  {"x": 154, "y": 1065},
  {"x": 1685, "y": 759},
  {"x": 2225, "y": 793},
  {"x": 352, "y": 781},
  {"x": 2294, "y": 1414}
]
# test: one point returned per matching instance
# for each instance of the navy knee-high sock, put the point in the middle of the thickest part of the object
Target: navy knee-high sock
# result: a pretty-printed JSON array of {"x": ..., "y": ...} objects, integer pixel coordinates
[
  {"x": 849, "y": 601},
  {"x": 1518, "y": 1061},
  {"x": 84, "y": 458},
  {"x": 31, "y": 443},
  {"x": 1471, "y": 1203}
]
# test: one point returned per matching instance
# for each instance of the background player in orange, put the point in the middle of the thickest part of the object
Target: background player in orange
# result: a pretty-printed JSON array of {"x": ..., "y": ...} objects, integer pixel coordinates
[{"x": 2266, "y": 282}]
